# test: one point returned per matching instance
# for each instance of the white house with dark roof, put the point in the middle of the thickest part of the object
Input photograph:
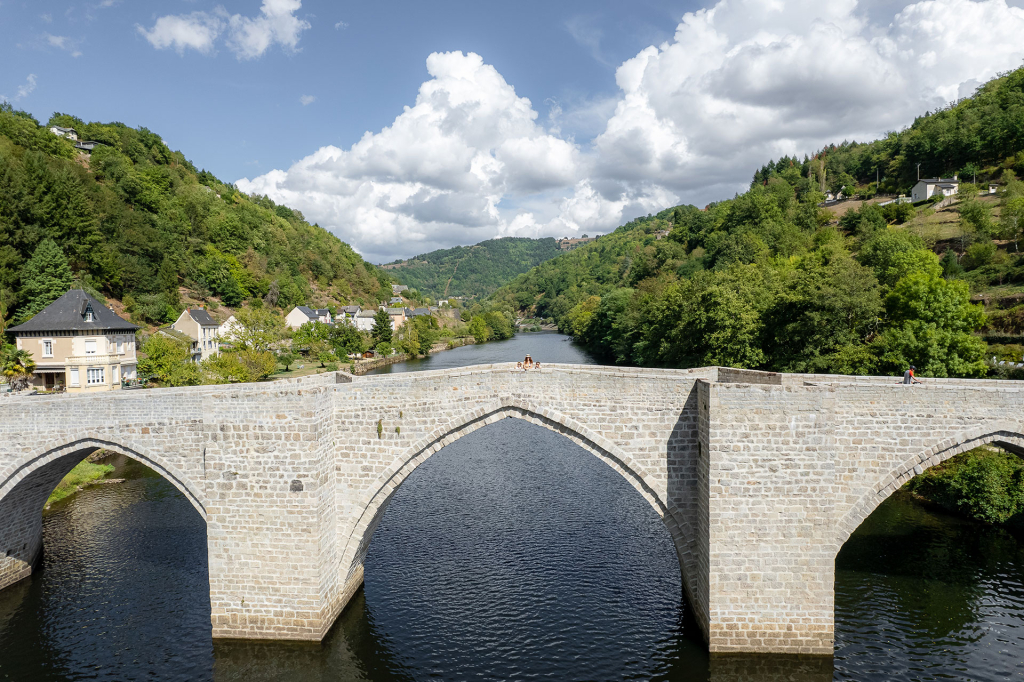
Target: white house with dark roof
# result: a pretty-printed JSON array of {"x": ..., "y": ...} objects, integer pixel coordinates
[
  {"x": 363, "y": 320},
  {"x": 79, "y": 343},
  {"x": 929, "y": 187},
  {"x": 64, "y": 132},
  {"x": 301, "y": 314},
  {"x": 347, "y": 314},
  {"x": 197, "y": 324}
]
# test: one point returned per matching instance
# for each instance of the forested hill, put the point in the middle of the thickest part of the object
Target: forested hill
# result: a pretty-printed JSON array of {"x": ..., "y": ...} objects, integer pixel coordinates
[
  {"x": 473, "y": 271},
  {"x": 137, "y": 222},
  {"x": 772, "y": 280}
]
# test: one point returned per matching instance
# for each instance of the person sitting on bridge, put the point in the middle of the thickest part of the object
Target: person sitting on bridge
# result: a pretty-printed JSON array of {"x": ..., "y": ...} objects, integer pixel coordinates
[
  {"x": 908, "y": 376},
  {"x": 528, "y": 362}
]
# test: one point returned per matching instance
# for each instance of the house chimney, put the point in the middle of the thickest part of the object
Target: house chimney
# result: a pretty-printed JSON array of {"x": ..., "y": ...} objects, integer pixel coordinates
[{"x": 954, "y": 176}]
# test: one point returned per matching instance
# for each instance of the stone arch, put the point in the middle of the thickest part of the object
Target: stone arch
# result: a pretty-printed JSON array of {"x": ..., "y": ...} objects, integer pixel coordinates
[
  {"x": 1007, "y": 434},
  {"x": 374, "y": 503},
  {"x": 60, "y": 448},
  {"x": 25, "y": 486}
]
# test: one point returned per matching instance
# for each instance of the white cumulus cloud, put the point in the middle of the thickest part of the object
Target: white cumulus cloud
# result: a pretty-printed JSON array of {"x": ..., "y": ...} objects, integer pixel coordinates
[
  {"x": 197, "y": 31},
  {"x": 247, "y": 37},
  {"x": 740, "y": 83},
  {"x": 438, "y": 173},
  {"x": 307, "y": 99},
  {"x": 26, "y": 89}
]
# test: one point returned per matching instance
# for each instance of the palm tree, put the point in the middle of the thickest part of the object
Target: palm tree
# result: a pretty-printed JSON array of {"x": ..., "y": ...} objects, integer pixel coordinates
[{"x": 17, "y": 366}]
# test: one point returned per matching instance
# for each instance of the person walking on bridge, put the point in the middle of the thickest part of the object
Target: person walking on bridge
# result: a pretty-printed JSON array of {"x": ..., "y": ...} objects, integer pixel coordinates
[{"x": 909, "y": 378}]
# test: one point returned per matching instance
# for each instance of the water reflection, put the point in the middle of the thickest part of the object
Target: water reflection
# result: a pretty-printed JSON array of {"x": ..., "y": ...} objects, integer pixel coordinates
[
  {"x": 512, "y": 554},
  {"x": 921, "y": 595}
]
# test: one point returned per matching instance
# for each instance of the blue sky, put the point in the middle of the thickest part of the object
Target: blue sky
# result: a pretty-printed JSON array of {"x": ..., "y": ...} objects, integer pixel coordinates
[{"x": 527, "y": 118}]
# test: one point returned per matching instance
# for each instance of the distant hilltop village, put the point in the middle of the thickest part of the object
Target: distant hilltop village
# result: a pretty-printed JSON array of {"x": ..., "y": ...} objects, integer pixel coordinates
[{"x": 567, "y": 244}]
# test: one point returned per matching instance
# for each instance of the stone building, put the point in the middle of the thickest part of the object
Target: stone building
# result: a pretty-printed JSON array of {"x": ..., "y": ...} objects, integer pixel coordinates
[
  {"x": 79, "y": 343},
  {"x": 197, "y": 324}
]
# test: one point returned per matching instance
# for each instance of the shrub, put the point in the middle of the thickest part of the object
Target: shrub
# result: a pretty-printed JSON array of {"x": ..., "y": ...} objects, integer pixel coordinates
[{"x": 981, "y": 484}]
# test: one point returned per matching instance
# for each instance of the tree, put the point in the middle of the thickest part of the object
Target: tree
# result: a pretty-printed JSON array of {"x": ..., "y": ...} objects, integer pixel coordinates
[
  {"x": 346, "y": 339},
  {"x": 382, "y": 331},
  {"x": 164, "y": 357},
  {"x": 479, "y": 330},
  {"x": 1012, "y": 220},
  {"x": 256, "y": 329},
  {"x": 17, "y": 366},
  {"x": 931, "y": 322},
  {"x": 313, "y": 339},
  {"x": 287, "y": 358},
  {"x": 428, "y": 332},
  {"x": 45, "y": 278}
]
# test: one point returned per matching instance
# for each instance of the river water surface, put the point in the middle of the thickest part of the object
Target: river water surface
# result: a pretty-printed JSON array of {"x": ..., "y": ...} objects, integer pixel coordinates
[{"x": 512, "y": 554}]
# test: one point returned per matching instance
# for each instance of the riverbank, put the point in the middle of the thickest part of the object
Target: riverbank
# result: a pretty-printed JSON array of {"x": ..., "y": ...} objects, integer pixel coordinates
[
  {"x": 84, "y": 473},
  {"x": 364, "y": 366},
  {"x": 984, "y": 484}
]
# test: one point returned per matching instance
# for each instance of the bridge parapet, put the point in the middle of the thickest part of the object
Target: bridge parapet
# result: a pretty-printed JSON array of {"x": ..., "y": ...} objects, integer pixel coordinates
[{"x": 759, "y": 476}]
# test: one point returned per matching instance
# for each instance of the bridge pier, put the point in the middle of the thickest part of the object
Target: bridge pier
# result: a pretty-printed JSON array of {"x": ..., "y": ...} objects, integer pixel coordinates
[{"x": 760, "y": 477}]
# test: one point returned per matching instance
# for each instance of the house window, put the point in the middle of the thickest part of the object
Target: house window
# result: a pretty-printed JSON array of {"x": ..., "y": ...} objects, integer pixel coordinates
[
  {"x": 113, "y": 374},
  {"x": 88, "y": 313},
  {"x": 90, "y": 347},
  {"x": 73, "y": 376},
  {"x": 94, "y": 376},
  {"x": 47, "y": 349}
]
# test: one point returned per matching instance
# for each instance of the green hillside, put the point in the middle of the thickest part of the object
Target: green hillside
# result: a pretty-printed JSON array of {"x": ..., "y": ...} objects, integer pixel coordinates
[
  {"x": 472, "y": 271},
  {"x": 138, "y": 222},
  {"x": 772, "y": 280}
]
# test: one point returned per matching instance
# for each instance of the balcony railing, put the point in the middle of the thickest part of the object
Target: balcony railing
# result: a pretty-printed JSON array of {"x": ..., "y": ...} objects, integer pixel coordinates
[{"x": 97, "y": 359}]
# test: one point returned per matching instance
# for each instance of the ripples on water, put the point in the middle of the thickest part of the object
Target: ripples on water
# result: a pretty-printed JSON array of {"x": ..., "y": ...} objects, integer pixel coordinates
[{"x": 510, "y": 554}]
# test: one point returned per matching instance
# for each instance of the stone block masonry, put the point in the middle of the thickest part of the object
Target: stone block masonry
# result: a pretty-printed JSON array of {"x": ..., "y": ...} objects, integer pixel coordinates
[{"x": 759, "y": 477}]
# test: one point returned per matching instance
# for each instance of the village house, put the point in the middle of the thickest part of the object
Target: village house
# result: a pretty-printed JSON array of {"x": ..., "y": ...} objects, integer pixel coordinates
[
  {"x": 396, "y": 300},
  {"x": 197, "y": 324},
  {"x": 64, "y": 132},
  {"x": 301, "y": 314},
  {"x": 226, "y": 331},
  {"x": 396, "y": 289},
  {"x": 397, "y": 316},
  {"x": 78, "y": 343},
  {"x": 927, "y": 188},
  {"x": 194, "y": 351},
  {"x": 348, "y": 313},
  {"x": 363, "y": 320}
]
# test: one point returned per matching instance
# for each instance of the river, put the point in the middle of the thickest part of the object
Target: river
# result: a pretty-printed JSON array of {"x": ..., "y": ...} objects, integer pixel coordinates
[{"x": 510, "y": 555}]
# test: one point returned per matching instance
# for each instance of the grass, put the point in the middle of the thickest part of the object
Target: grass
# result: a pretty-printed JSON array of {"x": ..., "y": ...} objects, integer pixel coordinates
[{"x": 83, "y": 473}]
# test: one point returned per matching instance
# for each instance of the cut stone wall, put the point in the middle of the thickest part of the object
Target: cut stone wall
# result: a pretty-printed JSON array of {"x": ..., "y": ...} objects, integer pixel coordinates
[{"x": 759, "y": 477}]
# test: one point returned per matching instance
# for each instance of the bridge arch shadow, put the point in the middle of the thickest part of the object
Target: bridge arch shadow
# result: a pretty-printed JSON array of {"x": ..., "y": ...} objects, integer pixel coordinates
[
  {"x": 356, "y": 544},
  {"x": 1007, "y": 435},
  {"x": 25, "y": 487}
]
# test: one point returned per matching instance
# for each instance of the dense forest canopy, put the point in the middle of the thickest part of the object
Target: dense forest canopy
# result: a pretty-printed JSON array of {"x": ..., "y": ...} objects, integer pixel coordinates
[
  {"x": 772, "y": 280},
  {"x": 138, "y": 222},
  {"x": 473, "y": 271},
  {"x": 968, "y": 138}
]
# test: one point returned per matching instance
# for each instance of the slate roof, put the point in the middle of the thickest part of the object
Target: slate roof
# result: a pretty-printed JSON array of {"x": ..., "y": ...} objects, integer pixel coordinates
[
  {"x": 420, "y": 311},
  {"x": 312, "y": 313},
  {"x": 175, "y": 334},
  {"x": 68, "y": 313},
  {"x": 202, "y": 317},
  {"x": 351, "y": 309},
  {"x": 366, "y": 313}
]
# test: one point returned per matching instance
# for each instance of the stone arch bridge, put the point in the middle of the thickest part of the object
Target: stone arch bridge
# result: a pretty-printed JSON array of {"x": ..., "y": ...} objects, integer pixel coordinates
[{"x": 759, "y": 477}]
